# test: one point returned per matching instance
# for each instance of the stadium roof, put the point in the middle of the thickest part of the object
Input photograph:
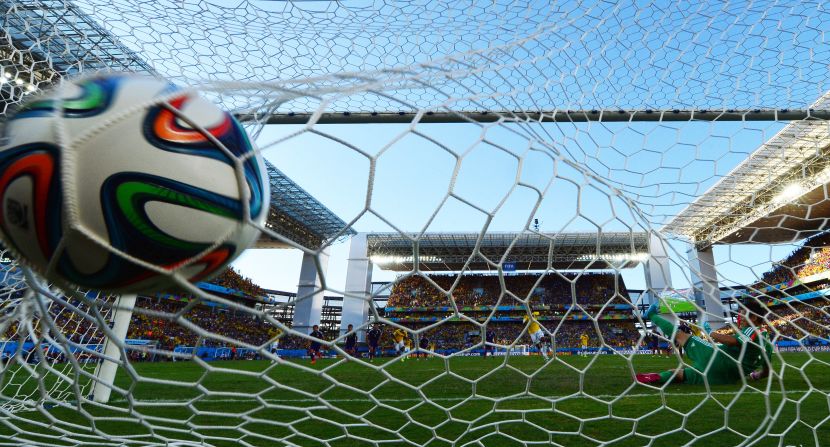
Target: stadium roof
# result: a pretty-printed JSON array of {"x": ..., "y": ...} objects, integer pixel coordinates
[
  {"x": 298, "y": 216},
  {"x": 776, "y": 195},
  {"x": 76, "y": 42},
  {"x": 526, "y": 251}
]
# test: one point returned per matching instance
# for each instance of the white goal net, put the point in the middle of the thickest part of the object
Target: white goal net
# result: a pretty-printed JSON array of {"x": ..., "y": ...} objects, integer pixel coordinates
[{"x": 521, "y": 180}]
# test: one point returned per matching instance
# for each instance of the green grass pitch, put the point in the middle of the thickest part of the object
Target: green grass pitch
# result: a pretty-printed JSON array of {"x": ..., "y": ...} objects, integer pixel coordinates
[{"x": 491, "y": 402}]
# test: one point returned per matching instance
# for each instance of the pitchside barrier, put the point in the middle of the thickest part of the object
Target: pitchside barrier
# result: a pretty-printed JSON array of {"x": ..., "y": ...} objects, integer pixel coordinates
[{"x": 83, "y": 352}]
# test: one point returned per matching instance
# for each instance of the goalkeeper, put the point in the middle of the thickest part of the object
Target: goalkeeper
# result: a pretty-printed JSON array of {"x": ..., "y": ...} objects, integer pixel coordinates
[{"x": 746, "y": 351}]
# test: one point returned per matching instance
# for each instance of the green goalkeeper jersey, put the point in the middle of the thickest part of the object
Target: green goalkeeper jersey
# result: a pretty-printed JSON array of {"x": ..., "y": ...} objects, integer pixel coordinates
[{"x": 754, "y": 345}]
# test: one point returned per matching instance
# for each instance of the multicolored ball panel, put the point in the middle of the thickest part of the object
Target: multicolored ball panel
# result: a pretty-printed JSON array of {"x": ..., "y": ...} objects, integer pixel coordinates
[
  {"x": 40, "y": 163},
  {"x": 124, "y": 197},
  {"x": 163, "y": 129},
  {"x": 94, "y": 98}
]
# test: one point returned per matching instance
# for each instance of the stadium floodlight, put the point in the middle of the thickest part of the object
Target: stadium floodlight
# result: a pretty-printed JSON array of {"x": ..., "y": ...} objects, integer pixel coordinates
[
  {"x": 790, "y": 192},
  {"x": 659, "y": 146}
]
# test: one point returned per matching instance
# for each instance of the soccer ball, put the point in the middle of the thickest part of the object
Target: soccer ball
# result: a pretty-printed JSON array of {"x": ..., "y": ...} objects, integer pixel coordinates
[{"x": 106, "y": 177}]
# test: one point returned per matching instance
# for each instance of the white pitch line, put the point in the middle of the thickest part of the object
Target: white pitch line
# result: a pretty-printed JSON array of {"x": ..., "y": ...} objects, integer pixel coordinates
[{"x": 458, "y": 399}]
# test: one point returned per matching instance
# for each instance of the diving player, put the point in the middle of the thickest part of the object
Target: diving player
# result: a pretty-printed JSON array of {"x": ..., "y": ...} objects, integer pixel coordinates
[{"x": 745, "y": 352}]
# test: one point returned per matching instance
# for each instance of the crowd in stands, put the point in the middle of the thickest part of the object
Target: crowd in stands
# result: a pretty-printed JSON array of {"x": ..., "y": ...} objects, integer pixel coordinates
[
  {"x": 478, "y": 290},
  {"x": 231, "y": 279},
  {"x": 552, "y": 290},
  {"x": 168, "y": 331},
  {"x": 168, "y": 320},
  {"x": 811, "y": 258},
  {"x": 798, "y": 321},
  {"x": 67, "y": 320},
  {"x": 462, "y": 335}
]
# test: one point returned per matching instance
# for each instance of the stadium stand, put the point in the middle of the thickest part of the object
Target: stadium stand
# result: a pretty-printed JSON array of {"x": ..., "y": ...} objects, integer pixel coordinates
[
  {"x": 160, "y": 319},
  {"x": 811, "y": 258},
  {"x": 231, "y": 279},
  {"x": 803, "y": 322},
  {"x": 414, "y": 301},
  {"x": 481, "y": 290},
  {"x": 799, "y": 313}
]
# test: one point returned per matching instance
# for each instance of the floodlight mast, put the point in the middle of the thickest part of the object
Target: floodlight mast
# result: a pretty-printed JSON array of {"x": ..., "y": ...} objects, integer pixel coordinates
[{"x": 555, "y": 116}]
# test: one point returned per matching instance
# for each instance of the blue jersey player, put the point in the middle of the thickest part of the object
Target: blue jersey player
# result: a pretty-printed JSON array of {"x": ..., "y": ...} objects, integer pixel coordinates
[{"x": 314, "y": 348}]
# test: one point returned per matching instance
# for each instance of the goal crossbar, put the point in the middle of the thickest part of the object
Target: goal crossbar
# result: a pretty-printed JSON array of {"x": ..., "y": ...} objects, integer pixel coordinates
[{"x": 558, "y": 116}]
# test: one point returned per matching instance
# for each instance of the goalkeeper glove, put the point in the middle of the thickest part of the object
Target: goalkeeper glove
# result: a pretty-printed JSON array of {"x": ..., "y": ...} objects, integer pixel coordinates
[
  {"x": 707, "y": 327},
  {"x": 755, "y": 375}
]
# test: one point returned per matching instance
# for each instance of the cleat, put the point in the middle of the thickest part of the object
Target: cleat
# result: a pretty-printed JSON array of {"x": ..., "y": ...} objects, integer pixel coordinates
[
  {"x": 654, "y": 309},
  {"x": 648, "y": 378}
]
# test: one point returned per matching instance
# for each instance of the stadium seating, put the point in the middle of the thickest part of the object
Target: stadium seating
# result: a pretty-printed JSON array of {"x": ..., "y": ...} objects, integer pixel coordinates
[
  {"x": 231, "y": 279},
  {"x": 811, "y": 258},
  {"x": 168, "y": 331},
  {"x": 478, "y": 290},
  {"x": 414, "y": 301}
]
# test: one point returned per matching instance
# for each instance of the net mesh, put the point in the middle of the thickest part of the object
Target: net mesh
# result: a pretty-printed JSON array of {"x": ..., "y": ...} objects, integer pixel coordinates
[
  {"x": 53, "y": 340},
  {"x": 201, "y": 368}
]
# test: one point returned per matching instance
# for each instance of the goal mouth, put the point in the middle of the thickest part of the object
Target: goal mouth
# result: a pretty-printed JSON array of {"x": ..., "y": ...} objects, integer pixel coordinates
[{"x": 503, "y": 224}]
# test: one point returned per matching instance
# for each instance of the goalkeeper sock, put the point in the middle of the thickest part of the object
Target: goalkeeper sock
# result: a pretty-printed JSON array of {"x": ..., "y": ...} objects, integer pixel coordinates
[{"x": 665, "y": 325}]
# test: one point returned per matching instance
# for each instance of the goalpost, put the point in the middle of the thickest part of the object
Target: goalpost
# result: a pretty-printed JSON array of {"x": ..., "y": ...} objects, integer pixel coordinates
[{"x": 700, "y": 129}]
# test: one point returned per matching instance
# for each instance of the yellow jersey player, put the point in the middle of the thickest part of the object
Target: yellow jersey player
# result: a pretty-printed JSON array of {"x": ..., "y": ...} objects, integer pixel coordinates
[
  {"x": 537, "y": 336},
  {"x": 583, "y": 339},
  {"x": 275, "y": 345},
  {"x": 407, "y": 347},
  {"x": 399, "y": 336}
]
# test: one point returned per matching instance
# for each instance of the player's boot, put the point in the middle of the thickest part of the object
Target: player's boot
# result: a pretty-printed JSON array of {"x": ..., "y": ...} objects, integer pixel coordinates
[{"x": 648, "y": 378}]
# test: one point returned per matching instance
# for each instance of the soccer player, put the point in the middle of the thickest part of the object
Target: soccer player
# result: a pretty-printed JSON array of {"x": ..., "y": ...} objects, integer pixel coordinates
[
  {"x": 423, "y": 343},
  {"x": 537, "y": 336},
  {"x": 746, "y": 351},
  {"x": 653, "y": 343},
  {"x": 373, "y": 337},
  {"x": 490, "y": 338},
  {"x": 314, "y": 348},
  {"x": 583, "y": 340},
  {"x": 351, "y": 341},
  {"x": 275, "y": 345},
  {"x": 399, "y": 335},
  {"x": 407, "y": 347}
]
